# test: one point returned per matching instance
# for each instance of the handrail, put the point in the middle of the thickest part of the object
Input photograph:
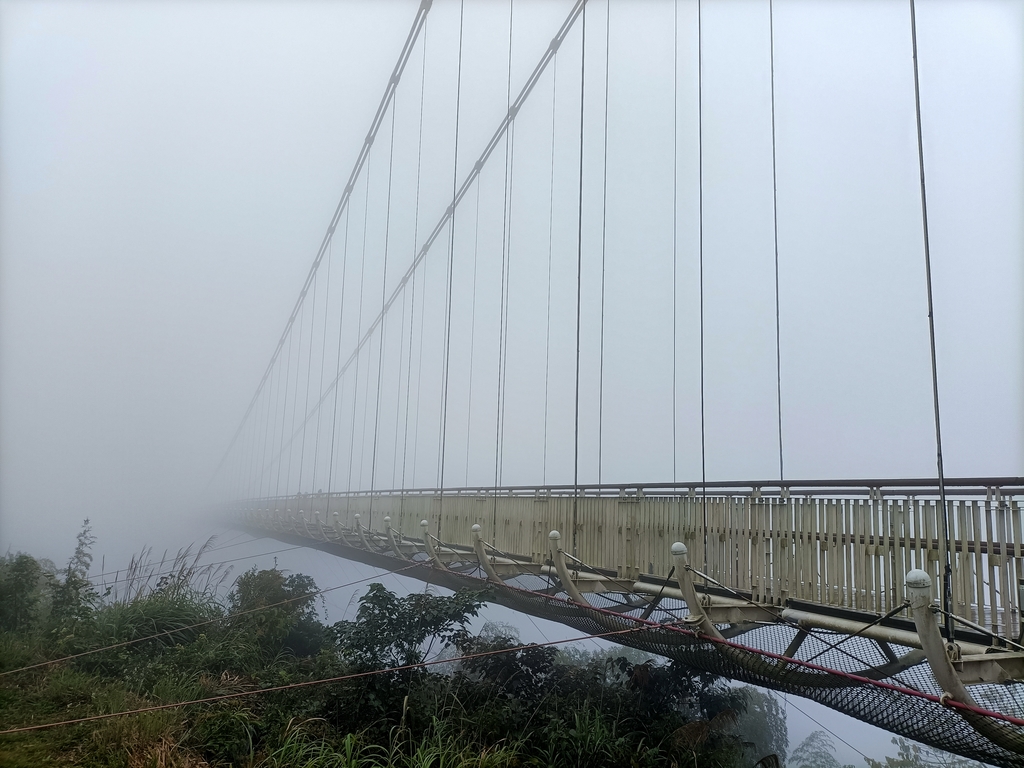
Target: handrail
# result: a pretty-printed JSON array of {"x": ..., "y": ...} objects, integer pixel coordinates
[{"x": 972, "y": 486}]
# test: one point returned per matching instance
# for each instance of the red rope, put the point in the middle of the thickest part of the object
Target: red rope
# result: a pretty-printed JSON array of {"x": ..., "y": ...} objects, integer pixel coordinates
[{"x": 788, "y": 660}]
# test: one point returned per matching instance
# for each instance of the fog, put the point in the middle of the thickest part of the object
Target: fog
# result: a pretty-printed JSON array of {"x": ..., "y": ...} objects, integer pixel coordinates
[{"x": 168, "y": 171}]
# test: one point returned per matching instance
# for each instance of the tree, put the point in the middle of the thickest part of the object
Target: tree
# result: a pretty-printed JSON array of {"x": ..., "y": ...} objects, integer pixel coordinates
[
  {"x": 291, "y": 625},
  {"x": 913, "y": 755},
  {"x": 816, "y": 751},
  {"x": 20, "y": 578},
  {"x": 762, "y": 723},
  {"x": 74, "y": 598},
  {"x": 391, "y": 631}
]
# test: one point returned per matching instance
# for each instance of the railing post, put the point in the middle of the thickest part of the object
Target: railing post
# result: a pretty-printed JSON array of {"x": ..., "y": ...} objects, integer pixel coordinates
[
  {"x": 558, "y": 558},
  {"x": 685, "y": 581},
  {"x": 481, "y": 555}
]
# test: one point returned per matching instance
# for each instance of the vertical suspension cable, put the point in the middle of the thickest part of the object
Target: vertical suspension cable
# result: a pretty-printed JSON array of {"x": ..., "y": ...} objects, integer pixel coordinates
[
  {"x": 284, "y": 409},
  {"x": 272, "y": 423},
  {"x": 295, "y": 401},
  {"x": 419, "y": 373},
  {"x": 579, "y": 292},
  {"x": 359, "y": 334},
  {"x": 700, "y": 259},
  {"x": 506, "y": 236},
  {"x": 551, "y": 227},
  {"x": 472, "y": 329},
  {"x": 947, "y": 576},
  {"x": 675, "y": 232},
  {"x": 506, "y": 255},
  {"x": 309, "y": 370},
  {"x": 451, "y": 264},
  {"x": 775, "y": 226},
  {"x": 505, "y": 302},
  {"x": 365, "y": 413},
  {"x": 266, "y": 432},
  {"x": 415, "y": 242},
  {"x": 323, "y": 360},
  {"x": 341, "y": 327},
  {"x": 398, "y": 390},
  {"x": 254, "y": 452},
  {"x": 604, "y": 243},
  {"x": 383, "y": 308},
  {"x": 408, "y": 381}
]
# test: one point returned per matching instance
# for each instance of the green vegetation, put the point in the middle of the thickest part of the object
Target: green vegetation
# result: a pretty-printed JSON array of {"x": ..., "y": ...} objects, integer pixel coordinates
[{"x": 525, "y": 706}]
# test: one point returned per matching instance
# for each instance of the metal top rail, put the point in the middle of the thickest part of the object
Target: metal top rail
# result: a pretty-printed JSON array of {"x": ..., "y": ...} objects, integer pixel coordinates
[{"x": 958, "y": 486}]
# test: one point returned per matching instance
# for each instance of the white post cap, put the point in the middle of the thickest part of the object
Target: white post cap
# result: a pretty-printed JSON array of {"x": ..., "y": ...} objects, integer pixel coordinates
[{"x": 918, "y": 579}]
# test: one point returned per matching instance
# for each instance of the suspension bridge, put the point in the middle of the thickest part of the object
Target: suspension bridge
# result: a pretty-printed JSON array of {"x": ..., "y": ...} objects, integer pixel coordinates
[{"x": 450, "y": 356}]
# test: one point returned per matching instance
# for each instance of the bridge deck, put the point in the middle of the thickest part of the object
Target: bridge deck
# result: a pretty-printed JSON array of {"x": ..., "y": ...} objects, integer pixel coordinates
[
  {"x": 804, "y": 583},
  {"x": 843, "y": 547}
]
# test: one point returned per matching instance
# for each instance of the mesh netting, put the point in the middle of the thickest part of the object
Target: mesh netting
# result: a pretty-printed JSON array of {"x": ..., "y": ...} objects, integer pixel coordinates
[{"x": 895, "y": 703}]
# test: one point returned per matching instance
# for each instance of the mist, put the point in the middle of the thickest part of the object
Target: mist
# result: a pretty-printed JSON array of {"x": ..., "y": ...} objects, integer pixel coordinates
[{"x": 168, "y": 170}]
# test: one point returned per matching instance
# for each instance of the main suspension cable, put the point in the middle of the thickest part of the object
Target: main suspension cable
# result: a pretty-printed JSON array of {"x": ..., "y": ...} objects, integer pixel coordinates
[
  {"x": 463, "y": 189},
  {"x": 389, "y": 91}
]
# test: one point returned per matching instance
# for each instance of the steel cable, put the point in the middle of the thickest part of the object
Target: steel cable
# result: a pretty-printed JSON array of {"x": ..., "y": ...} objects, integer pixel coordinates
[
  {"x": 383, "y": 302},
  {"x": 579, "y": 289},
  {"x": 451, "y": 266}
]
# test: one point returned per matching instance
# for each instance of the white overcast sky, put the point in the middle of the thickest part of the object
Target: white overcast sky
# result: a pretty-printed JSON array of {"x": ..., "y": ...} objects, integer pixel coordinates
[{"x": 168, "y": 169}]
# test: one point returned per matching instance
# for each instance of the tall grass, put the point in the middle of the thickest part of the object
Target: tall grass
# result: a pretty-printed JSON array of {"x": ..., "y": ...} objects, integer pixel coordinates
[{"x": 441, "y": 746}]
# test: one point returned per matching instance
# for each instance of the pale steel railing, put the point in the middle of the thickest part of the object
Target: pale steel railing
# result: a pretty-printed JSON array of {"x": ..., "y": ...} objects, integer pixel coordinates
[{"x": 846, "y": 544}]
